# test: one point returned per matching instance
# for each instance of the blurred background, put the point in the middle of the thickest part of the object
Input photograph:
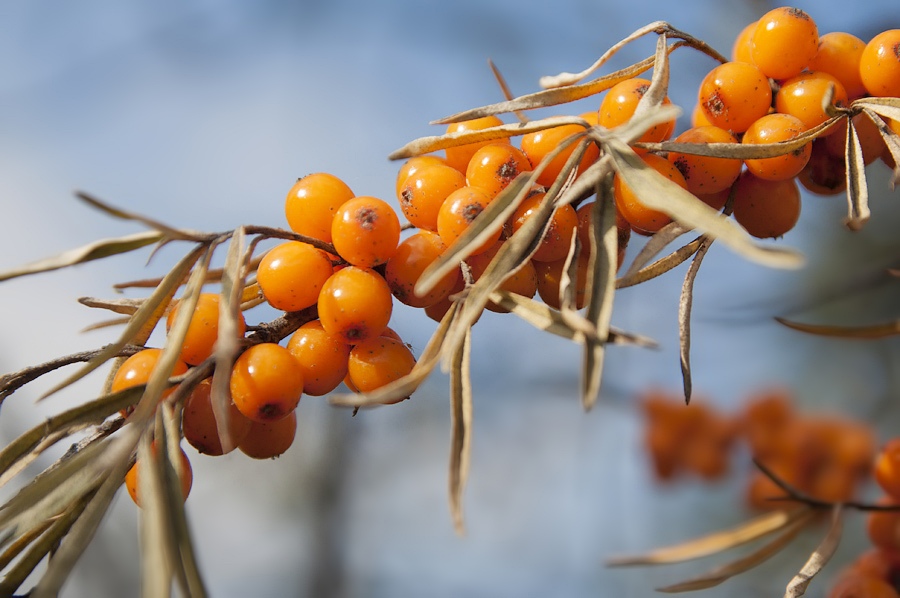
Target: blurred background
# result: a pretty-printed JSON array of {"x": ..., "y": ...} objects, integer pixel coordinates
[{"x": 203, "y": 114}]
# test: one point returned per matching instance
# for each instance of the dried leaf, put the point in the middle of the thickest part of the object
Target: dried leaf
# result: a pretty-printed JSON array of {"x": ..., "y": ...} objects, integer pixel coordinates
[
  {"x": 661, "y": 266},
  {"x": 167, "y": 231},
  {"x": 891, "y": 141},
  {"x": 862, "y": 332},
  {"x": 460, "y": 429},
  {"x": 743, "y": 564},
  {"x": 119, "y": 306},
  {"x": 659, "y": 193},
  {"x": 92, "y": 251},
  {"x": 501, "y": 81},
  {"x": 716, "y": 542},
  {"x": 684, "y": 317},
  {"x": 885, "y": 106},
  {"x": 819, "y": 558},
  {"x": 857, "y": 190}
]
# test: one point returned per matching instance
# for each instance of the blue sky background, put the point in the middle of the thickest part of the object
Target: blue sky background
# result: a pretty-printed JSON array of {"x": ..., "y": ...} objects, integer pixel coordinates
[{"x": 203, "y": 113}]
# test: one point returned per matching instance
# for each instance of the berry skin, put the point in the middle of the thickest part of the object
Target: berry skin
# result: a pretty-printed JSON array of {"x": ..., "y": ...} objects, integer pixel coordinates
[
  {"x": 705, "y": 174},
  {"x": 887, "y": 468},
  {"x": 621, "y": 101},
  {"x": 773, "y": 128},
  {"x": 132, "y": 478},
  {"x": 741, "y": 50},
  {"x": 556, "y": 240},
  {"x": 458, "y": 212},
  {"x": 423, "y": 192},
  {"x": 494, "y": 166},
  {"x": 521, "y": 281},
  {"x": 870, "y": 140},
  {"x": 198, "y": 422},
  {"x": 540, "y": 143},
  {"x": 355, "y": 304},
  {"x": 802, "y": 96},
  {"x": 734, "y": 95},
  {"x": 857, "y": 585},
  {"x": 839, "y": 55},
  {"x": 412, "y": 166},
  {"x": 266, "y": 382},
  {"x": 312, "y": 203},
  {"x": 642, "y": 219},
  {"x": 767, "y": 209},
  {"x": 879, "y": 65},
  {"x": 883, "y": 527},
  {"x": 458, "y": 157},
  {"x": 824, "y": 174},
  {"x": 203, "y": 330},
  {"x": 322, "y": 357},
  {"x": 784, "y": 42},
  {"x": 414, "y": 255},
  {"x": 291, "y": 275},
  {"x": 549, "y": 277},
  {"x": 365, "y": 231},
  {"x": 267, "y": 440},
  {"x": 377, "y": 362}
]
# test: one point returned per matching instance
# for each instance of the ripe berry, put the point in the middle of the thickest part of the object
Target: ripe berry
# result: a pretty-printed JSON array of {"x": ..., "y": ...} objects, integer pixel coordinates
[
  {"x": 883, "y": 527},
  {"x": 423, "y": 192},
  {"x": 706, "y": 174},
  {"x": 355, "y": 304},
  {"x": 412, "y": 166},
  {"x": 554, "y": 245},
  {"x": 133, "y": 477},
  {"x": 291, "y": 275},
  {"x": 365, "y": 231},
  {"x": 521, "y": 281},
  {"x": 773, "y": 128},
  {"x": 458, "y": 157},
  {"x": 138, "y": 368},
  {"x": 322, "y": 357},
  {"x": 766, "y": 208},
  {"x": 784, "y": 41},
  {"x": 378, "y": 361},
  {"x": 494, "y": 166},
  {"x": 312, "y": 202},
  {"x": 741, "y": 50},
  {"x": 414, "y": 255},
  {"x": 266, "y": 382},
  {"x": 734, "y": 95},
  {"x": 198, "y": 422},
  {"x": 839, "y": 55},
  {"x": 643, "y": 219},
  {"x": 802, "y": 96},
  {"x": 879, "y": 65},
  {"x": 458, "y": 212},
  {"x": 203, "y": 329},
  {"x": 887, "y": 468},
  {"x": 540, "y": 143},
  {"x": 621, "y": 101},
  {"x": 267, "y": 440},
  {"x": 549, "y": 277},
  {"x": 824, "y": 174},
  {"x": 857, "y": 585}
]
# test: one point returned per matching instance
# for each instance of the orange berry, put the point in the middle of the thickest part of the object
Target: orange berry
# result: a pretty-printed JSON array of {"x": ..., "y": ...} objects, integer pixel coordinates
[
  {"x": 802, "y": 96},
  {"x": 549, "y": 277},
  {"x": 412, "y": 166},
  {"x": 365, "y": 231},
  {"x": 766, "y": 208},
  {"x": 784, "y": 41},
  {"x": 741, "y": 50},
  {"x": 538, "y": 144},
  {"x": 883, "y": 527},
  {"x": 198, "y": 422},
  {"x": 705, "y": 174},
  {"x": 494, "y": 166},
  {"x": 458, "y": 212},
  {"x": 554, "y": 245},
  {"x": 698, "y": 117},
  {"x": 270, "y": 439},
  {"x": 438, "y": 310},
  {"x": 621, "y": 101},
  {"x": 414, "y": 255},
  {"x": 870, "y": 140},
  {"x": 839, "y": 55},
  {"x": 133, "y": 477},
  {"x": 734, "y": 95},
  {"x": 322, "y": 358},
  {"x": 377, "y": 362},
  {"x": 355, "y": 304},
  {"x": 773, "y": 128},
  {"x": 824, "y": 174},
  {"x": 423, "y": 192},
  {"x": 458, "y": 157},
  {"x": 266, "y": 382},
  {"x": 291, "y": 275},
  {"x": 312, "y": 203},
  {"x": 887, "y": 468},
  {"x": 203, "y": 329},
  {"x": 138, "y": 368},
  {"x": 521, "y": 281},
  {"x": 879, "y": 65},
  {"x": 715, "y": 200},
  {"x": 856, "y": 585},
  {"x": 643, "y": 219}
]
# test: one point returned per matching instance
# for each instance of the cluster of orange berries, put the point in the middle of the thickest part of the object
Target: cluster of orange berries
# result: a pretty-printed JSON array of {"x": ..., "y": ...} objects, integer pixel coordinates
[{"x": 825, "y": 457}]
